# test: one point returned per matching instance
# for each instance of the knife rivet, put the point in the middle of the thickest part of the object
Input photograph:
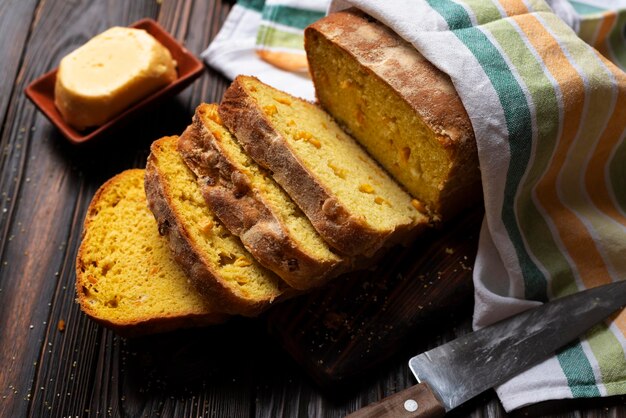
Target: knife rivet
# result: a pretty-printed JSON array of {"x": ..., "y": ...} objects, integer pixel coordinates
[{"x": 410, "y": 405}]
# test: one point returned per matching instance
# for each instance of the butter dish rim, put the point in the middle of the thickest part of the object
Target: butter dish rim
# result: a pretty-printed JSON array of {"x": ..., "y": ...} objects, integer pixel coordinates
[{"x": 41, "y": 90}]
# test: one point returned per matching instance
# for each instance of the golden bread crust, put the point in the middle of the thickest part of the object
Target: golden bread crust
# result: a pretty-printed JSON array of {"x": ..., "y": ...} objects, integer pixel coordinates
[
  {"x": 429, "y": 92},
  {"x": 139, "y": 325},
  {"x": 247, "y": 214},
  {"x": 202, "y": 274},
  {"x": 349, "y": 234}
]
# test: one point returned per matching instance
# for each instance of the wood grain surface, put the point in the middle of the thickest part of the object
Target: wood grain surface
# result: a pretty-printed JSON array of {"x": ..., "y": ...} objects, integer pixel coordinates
[
  {"x": 53, "y": 360},
  {"x": 341, "y": 332}
]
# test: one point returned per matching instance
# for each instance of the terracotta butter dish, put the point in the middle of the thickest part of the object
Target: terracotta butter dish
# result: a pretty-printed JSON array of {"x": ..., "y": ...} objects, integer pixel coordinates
[{"x": 41, "y": 91}]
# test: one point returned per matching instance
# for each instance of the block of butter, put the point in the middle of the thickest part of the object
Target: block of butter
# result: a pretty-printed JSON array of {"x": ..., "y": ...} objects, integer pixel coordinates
[{"x": 108, "y": 74}]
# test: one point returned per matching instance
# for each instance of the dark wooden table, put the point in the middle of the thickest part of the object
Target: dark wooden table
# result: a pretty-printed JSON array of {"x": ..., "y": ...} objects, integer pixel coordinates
[{"x": 234, "y": 370}]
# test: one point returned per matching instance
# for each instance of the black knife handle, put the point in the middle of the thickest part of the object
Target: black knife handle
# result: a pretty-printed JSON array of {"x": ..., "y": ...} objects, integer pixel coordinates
[{"x": 415, "y": 402}]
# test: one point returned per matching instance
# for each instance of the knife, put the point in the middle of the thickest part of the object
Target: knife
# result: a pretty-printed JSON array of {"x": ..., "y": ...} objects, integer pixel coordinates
[{"x": 461, "y": 369}]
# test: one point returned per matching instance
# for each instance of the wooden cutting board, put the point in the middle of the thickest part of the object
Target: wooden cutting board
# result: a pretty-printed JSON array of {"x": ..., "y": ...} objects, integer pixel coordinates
[{"x": 347, "y": 328}]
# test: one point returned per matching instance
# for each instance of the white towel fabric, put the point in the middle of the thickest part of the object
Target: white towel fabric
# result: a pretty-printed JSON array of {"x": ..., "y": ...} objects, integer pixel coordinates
[{"x": 233, "y": 52}]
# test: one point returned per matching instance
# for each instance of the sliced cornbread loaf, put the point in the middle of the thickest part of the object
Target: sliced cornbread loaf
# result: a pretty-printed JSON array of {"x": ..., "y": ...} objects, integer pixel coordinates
[
  {"x": 126, "y": 277},
  {"x": 213, "y": 258},
  {"x": 354, "y": 205},
  {"x": 252, "y": 206},
  {"x": 401, "y": 108}
]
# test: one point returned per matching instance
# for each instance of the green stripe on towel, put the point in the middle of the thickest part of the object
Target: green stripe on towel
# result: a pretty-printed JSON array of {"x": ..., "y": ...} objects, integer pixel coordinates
[
  {"x": 617, "y": 40},
  {"x": 256, "y": 5},
  {"x": 610, "y": 356},
  {"x": 538, "y": 235},
  {"x": 578, "y": 371},
  {"x": 589, "y": 29},
  {"x": 583, "y": 130},
  {"x": 617, "y": 173},
  {"x": 562, "y": 208},
  {"x": 273, "y": 37},
  {"x": 291, "y": 16},
  {"x": 484, "y": 11},
  {"x": 585, "y": 9},
  {"x": 519, "y": 126}
]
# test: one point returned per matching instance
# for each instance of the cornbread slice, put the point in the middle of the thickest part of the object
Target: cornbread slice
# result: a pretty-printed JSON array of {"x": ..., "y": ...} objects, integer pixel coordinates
[
  {"x": 399, "y": 106},
  {"x": 354, "y": 205},
  {"x": 213, "y": 258},
  {"x": 126, "y": 277},
  {"x": 252, "y": 206}
]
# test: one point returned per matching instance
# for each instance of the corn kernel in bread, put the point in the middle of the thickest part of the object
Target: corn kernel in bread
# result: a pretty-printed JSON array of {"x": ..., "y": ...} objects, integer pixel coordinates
[
  {"x": 252, "y": 206},
  {"x": 126, "y": 276},
  {"x": 399, "y": 106},
  {"x": 108, "y": 74},
  {"x": 213, "y": 258},
  {"x": 354, "y": 205}
]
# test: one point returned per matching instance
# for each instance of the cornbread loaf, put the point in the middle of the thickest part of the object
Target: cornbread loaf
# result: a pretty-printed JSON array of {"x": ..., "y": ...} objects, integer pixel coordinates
[
  {"x": 108, "y": 74},
  {"x": 354, "y": 205},
  {"x": 400, "y": 107},
  {"x": 213, "y": 258},
  {"x": 252, "y": 206},
  {"x": 126, "y": 277}
]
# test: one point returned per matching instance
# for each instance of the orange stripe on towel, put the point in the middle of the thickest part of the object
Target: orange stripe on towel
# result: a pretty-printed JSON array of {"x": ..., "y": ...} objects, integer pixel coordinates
[
  {"x": 513, "y": 7},
  {"x": 602, "y": 38},
  {"x": 596, "y": 180},
  {"x": 574, "y": 235}
]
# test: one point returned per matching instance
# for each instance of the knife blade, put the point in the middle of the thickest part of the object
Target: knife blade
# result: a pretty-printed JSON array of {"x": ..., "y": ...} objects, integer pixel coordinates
[{"x": 459, "y": 370}]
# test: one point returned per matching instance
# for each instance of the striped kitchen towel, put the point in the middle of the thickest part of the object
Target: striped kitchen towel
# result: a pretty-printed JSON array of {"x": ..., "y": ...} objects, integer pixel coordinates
[
  {"x": 265, "y": 39},
  {"x": 549, "y": 114},
  {"x": 280, "y": 38},
  {"x": 603, "y": 25}
]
